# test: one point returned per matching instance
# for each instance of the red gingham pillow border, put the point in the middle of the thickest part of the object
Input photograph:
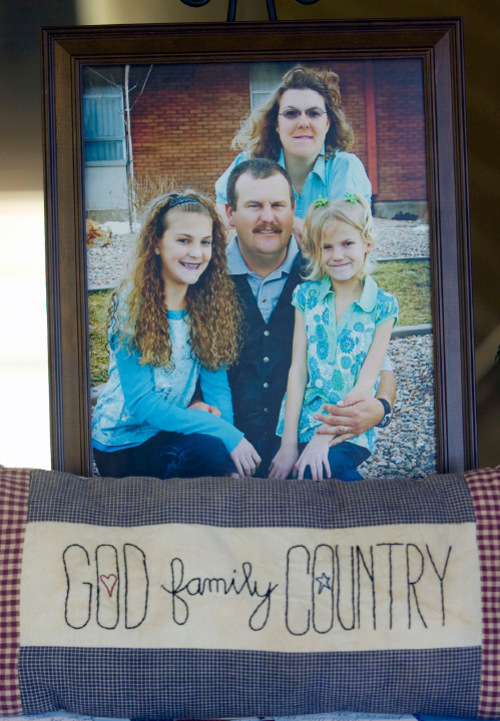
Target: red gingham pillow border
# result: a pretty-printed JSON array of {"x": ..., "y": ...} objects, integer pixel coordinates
[
  {"x": 485, "y": 491},
  {"x": 14, "y": 491}
]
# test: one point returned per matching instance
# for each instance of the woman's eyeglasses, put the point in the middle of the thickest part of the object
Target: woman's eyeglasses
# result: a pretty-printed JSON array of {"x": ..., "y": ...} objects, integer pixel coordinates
[{"x": 293, "y": 113}]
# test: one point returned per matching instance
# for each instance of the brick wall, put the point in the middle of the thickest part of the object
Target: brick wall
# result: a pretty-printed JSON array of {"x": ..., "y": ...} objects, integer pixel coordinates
[
  {"x": 352, "y": 87},
  {"x": 184, "y": 121},
  {"x": 400, "y": 130}
]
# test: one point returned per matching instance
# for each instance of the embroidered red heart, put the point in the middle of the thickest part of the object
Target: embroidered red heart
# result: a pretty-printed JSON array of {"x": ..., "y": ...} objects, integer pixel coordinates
[{"x": 109, "y": 583}]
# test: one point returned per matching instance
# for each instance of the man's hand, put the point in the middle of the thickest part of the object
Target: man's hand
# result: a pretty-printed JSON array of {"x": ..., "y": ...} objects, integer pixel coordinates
[
  {"x": 201, "y": 406},
  {"x": 315, "y": 455},
  {"x": 344, "y": 422}
]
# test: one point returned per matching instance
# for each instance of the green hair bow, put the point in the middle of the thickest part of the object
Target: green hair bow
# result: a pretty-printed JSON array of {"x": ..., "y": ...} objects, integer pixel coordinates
[{"x": 321, "y": 201}]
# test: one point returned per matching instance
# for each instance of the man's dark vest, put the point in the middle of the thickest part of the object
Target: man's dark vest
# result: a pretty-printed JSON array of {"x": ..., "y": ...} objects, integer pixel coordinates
[{"x": 258, "y": 381}]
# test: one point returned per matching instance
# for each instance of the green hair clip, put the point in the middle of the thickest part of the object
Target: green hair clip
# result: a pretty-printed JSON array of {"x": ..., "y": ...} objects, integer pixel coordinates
[
  {"x": 321, "y": 201},
  {"x": 351, "y": 198}
]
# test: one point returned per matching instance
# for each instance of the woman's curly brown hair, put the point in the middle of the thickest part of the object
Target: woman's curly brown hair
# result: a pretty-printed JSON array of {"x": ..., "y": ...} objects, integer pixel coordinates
[
  {"x": 258, "y": 133},
  {"x": 138, "y": 313}
]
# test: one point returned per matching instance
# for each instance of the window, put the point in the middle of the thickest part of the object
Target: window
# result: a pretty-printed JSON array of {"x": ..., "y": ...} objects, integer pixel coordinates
[
  {"x": 103, "y": 126},
  {"x": 264, "y": 77}
]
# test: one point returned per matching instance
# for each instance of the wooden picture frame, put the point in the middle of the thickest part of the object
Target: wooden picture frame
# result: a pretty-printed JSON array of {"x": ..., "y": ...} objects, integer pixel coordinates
[{"x": 436, "y": 43}]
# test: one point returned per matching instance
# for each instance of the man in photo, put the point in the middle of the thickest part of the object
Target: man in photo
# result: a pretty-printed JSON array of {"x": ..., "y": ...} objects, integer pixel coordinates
[{"x": 265, "y": 263}]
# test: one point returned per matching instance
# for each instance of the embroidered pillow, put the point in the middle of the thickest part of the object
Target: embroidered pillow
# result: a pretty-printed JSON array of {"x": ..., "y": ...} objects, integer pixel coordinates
[{"x": 230, "y": 598}]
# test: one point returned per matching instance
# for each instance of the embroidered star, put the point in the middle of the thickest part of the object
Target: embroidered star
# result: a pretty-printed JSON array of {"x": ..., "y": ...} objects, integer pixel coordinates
[{"x": 324, "y": 582}]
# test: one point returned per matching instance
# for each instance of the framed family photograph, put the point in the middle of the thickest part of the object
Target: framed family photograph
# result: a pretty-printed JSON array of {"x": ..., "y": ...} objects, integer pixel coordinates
[{"x": 248, "y": 224}]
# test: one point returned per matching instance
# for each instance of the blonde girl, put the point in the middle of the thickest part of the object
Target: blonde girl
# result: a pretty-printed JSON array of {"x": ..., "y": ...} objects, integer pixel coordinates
[
  {"x": 343, "y": 323},
  {"x": 174, "y": 324}
]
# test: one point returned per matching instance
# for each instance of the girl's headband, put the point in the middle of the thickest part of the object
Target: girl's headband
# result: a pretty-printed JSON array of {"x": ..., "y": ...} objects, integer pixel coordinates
[
  {"x": 181, "y": 200},
  {"x": 174, "y": 203}
]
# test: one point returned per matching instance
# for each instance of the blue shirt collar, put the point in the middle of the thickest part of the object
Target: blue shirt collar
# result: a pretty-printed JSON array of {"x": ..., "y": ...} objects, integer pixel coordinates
[
  {"x": 236, "y": 264},
  {"x": 176, "y": 314},
  {"x": 319, "y": 167},
  {"x": 368, "y": 294}
]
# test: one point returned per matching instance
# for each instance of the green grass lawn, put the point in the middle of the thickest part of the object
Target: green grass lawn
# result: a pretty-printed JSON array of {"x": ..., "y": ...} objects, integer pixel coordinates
[
  {"x": 98, "y": 325},
  {"x": 408, "y": 281}
]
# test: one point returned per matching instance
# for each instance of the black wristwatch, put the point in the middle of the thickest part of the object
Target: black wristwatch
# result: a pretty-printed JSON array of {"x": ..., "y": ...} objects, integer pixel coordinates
[{"x": 387, "y": 413}]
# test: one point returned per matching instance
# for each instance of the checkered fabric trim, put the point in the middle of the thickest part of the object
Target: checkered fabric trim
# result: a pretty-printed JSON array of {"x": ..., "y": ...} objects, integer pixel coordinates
[
  {"x": 199, "y": 683},
  {"x": 485, "y": 491},
  {"x": 61, "y": 497},
  {"x": 14, "y": 489}
]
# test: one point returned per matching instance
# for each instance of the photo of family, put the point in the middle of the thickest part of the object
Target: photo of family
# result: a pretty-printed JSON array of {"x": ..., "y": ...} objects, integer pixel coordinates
[{"x": 258, "y": 270}]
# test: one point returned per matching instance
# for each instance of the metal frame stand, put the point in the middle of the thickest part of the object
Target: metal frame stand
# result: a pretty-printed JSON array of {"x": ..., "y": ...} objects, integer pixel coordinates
[{"x": 231, "y": 8}]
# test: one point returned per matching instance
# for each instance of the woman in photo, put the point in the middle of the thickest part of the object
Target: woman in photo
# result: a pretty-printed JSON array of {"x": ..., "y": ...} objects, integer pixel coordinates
[
  {"x": 173, "y": 324},
  {"x": 304, "y": 129}
]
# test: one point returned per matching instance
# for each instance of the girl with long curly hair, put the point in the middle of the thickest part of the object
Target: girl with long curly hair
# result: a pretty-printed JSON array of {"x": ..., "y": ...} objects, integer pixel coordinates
[
  {"x": 304, "y": 129},
  {"x": 174, "y": 323}
]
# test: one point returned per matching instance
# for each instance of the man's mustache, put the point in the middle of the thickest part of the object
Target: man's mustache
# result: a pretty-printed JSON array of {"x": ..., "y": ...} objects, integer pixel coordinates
[{"x": 268, "y": 227}]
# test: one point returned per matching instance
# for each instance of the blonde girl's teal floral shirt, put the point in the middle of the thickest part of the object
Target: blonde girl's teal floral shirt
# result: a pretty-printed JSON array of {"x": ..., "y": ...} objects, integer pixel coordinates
[{"x": 336, "y": 351}]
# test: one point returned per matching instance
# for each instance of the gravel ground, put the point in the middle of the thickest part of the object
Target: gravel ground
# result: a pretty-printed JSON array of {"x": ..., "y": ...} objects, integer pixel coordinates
[
  {"x": 407, "y": 446},
  {"x": 108, "y": 260},
  {"x": 400, "y": 239}
]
